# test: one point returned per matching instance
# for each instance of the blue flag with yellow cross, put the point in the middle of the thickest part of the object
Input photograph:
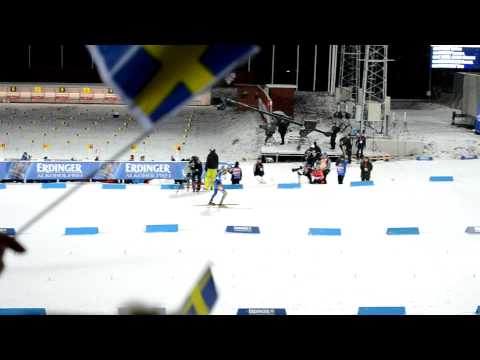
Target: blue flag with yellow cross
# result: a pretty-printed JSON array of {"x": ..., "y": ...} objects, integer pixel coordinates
[
  {"x": 203, "y": 296},
  {"x": 156, "y": 80}
]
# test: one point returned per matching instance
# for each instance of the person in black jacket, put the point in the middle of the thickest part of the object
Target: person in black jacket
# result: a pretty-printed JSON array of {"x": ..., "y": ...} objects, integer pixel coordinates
[
  {"x": 258, "y": 170},
  {"x": 196, "y": 167},
  {"x": 282, "y": 129},
  {"x": 270, "y": 129},
  {"x": 310, "y": 155},
  {"x": 310, "y": 159},
  {"x": 211, "y": 167},
  {"x": 346, "y": 146},
  {"x": 366, "y": 169},
  {"x": 361, "y": 142},
  {"x": 333, "y": 136},
  {"x": 318, "y": 151}
]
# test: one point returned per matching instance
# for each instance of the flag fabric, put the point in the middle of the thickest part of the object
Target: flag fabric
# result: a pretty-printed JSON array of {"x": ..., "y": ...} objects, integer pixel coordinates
[
  {"x": 203, "y": 296},
  {"x": 156, "y": 80}
]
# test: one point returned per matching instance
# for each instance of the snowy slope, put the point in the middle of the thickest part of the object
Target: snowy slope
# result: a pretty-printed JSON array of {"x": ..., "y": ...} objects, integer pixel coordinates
[
  {"x": 235, "y": 134},
  {"x": 68, "y": 129},
  {"x": 436, "y": 272}
]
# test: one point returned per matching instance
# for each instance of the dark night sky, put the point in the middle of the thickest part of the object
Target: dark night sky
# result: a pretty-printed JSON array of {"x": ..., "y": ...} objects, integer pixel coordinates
[{"x": 408, "y": 74}]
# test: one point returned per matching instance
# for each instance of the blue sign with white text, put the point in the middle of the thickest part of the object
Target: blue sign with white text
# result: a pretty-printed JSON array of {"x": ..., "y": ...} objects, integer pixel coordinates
[
  {"x": 82, "y": 170},
  {"x": 8, "y": 231},
  {"x": 243, "y": 229},
  {"x": 261, "y": 312},
  {"x": 455, "y": 56}
]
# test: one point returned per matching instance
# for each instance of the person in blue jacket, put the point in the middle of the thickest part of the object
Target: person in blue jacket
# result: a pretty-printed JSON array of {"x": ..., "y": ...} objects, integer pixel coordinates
[
  {"x": 218, "y": 186},
  {"x": 342, "y": 164},
  {"x": 236, "y": 173}
]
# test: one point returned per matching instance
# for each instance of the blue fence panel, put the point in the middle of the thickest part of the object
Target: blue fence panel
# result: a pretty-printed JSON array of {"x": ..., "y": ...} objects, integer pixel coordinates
[
  {"x": 23, "y": 311},
  {"x": 81, "y": 231},
  {"x": 289, "y": 186},
  {"x": 403, "y": 231},
  {"x": 325, "y": 231},
  {"x": 161, "y": 228},
  {"x": 398, "y": 310}
]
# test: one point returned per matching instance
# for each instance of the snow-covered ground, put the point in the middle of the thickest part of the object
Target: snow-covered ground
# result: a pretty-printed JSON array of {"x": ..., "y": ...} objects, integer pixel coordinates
[
  {"x": 431, "y": 124},
  {"x": 436, "y": 272}
]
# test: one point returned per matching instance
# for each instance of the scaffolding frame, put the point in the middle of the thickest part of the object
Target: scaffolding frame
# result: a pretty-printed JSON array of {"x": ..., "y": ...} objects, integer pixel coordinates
[
  {"x": 350, "y": 68},
  {"x": 374, "y": 80}
]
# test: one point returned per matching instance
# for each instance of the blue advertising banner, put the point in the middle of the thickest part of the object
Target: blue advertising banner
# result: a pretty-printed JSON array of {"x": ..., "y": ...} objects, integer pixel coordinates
[
  {"x": 243, "y": 229},
  {"x": 8, "y": 231},
  {"x": 261, "y": 312},
  {"x": 80, "y": 170},
  {"x": 151, "y": 170}
]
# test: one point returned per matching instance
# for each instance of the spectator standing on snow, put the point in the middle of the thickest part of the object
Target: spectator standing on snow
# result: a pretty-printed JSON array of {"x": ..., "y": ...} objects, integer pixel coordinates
[
  {"x": 310, "y": 160},
  {"x": 197, "y": 170},
  {"x": 211, "y": 167},
  {"x": 325, "y": 165},
  {"x": 310, "y": 156},
  {"x": 318, "y": 151},
  {"x": 361, "y": 142},
  {"x": 236, "y": 173},
  {"x": 188, "y": 172},
  {"x": 366, "y": 169},
  {"x": 333, "y": 136},
  {"x": 342, "y": 164},
  {"x": 346, "y": 147},
  {"x": 258, "y": 170}
]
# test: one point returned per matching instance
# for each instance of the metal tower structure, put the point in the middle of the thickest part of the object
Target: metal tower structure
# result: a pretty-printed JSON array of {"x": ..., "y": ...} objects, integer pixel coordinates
[
  {"x": 374, "y": 80},
  {"x": 350, "y": 68},
  {"x": 375, "y": 73},
  {"x": 332, "y": 69}
]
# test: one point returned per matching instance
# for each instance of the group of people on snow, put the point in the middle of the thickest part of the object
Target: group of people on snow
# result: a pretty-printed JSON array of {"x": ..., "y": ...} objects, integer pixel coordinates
[
  {"x": 214, "y": 174},
  {"x": 317, "y": 164},
  {"x": 194, "y": 170}
]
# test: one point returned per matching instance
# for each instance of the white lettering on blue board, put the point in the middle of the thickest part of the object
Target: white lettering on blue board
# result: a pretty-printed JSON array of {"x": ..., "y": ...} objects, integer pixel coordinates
[
  {"x": 147, "y": 168},
  {"x": 59, "y": 168},
  {"x": 261, "y": 311},
  {"x": 242, "y": 228}
]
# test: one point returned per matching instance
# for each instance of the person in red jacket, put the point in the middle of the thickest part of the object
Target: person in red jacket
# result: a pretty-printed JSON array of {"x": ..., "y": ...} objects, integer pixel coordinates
[{"x": 318, "y": 177}]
